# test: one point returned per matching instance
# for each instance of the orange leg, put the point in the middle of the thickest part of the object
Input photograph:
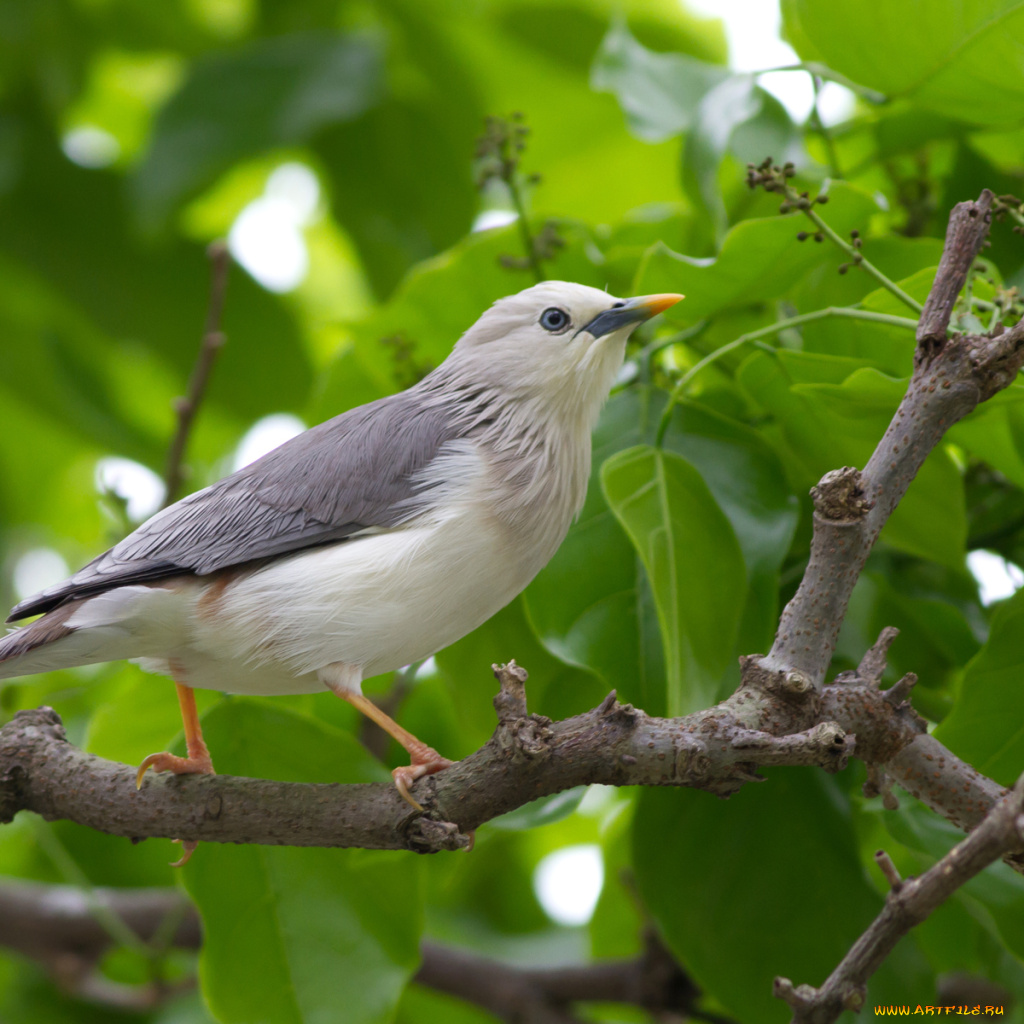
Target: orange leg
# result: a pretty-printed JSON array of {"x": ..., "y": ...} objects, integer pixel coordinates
[
  {"x": 198, "y": 761},
  {"x": 425, "y": 760}
]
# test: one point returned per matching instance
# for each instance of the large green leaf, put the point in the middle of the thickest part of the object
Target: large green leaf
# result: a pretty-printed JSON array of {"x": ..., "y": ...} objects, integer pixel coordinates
[
  {"x": 986, "y": 725},
  {"x": 658, "y": 92},
  {"x": 958, "y": 59},
  {"x": 693, "y": 561},
  {"x": 600, "y": 613},
  {"x": 747, "y": 481},
  {"x": 707, "y": 869},
  {"x": 296, "y": 935},
  {"x": 249, "y": 100},
  {"x": 833, "y": 414}
]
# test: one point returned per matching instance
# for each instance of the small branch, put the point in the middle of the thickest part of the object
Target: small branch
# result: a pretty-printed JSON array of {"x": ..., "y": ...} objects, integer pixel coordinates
[
  {"x": 968, "y": 227},
  {"x": 213, "y": 340},
  {"x": 846, "y": 312},
  {"x": 909, "y": 903}
]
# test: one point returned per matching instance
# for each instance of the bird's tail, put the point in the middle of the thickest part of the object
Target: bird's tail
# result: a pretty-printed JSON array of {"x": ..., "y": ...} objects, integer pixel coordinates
[
  {"x": 126, "y": 622},
  {"x": 34, "y": 648}
]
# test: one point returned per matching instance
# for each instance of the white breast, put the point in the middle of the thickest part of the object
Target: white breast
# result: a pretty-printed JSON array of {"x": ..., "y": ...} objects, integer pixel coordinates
[{"x": 381, "y": 600}]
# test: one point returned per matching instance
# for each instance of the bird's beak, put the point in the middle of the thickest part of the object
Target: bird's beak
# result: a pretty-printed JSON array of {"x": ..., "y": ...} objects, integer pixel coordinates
[{"x": 631, "y": 311}]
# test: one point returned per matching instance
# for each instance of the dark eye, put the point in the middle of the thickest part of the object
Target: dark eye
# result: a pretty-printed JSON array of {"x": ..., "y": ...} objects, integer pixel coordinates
[{"x": 554, "y": 319}]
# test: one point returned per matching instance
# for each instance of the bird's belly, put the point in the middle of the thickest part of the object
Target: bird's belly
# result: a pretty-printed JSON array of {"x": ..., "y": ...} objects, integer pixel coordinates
[{"x": 379, "y": 602}]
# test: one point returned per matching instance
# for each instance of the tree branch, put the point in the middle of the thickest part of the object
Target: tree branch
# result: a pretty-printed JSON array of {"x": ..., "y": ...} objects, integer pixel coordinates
[
  {"x": 213, "y": 341},
  {"x": 951, "y": 377},
  {"x": 528, "y": 756},
  {"x": 908, "y": 904}
]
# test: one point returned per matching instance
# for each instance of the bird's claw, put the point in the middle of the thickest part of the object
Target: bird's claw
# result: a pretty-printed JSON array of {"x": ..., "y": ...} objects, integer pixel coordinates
[
  {"x": 407, "y": 774},
  {"x": 164, "y": 762},
  {"x": 188, "y": 847}
]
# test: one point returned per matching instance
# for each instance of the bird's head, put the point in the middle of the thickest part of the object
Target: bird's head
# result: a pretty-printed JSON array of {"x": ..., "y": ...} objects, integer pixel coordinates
[{"x": 558, "y": 342}]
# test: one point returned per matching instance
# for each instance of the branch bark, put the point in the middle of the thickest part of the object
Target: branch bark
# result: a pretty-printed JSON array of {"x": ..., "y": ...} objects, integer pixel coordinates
[{"x": 527, "y": 757}]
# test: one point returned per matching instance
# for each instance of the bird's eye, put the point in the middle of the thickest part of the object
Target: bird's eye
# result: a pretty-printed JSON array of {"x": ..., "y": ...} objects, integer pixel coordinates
[{"x": 554, "y": 319}]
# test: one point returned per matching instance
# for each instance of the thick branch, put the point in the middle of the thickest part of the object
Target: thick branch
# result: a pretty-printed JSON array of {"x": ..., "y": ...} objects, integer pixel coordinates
[
  {"x": 908, "y": 904},
  {"x": 718, "y": 750},
  {"x": 527, "y": 757},
  {"x": 951, "y": 378}
]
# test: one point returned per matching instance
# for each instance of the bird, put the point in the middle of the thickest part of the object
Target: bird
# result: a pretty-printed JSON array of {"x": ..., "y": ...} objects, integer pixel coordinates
[{"x": 366, "y": 543}]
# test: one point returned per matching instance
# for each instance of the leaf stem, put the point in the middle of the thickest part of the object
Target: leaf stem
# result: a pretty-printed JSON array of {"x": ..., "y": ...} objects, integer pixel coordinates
[
  {"x": 780, "y": 325},
  {"x": 859, "y": 259}
]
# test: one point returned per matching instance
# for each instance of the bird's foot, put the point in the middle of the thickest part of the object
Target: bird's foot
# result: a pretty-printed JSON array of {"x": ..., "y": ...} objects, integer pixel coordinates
[
  {"x": 188, "y": 847},
  {"x": 164, "y": 762},
  {"x": 425, "y": 761}
]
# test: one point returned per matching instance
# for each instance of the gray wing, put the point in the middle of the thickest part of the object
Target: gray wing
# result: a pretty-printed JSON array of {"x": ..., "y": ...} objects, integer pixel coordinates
[{"x": 351, "y": 473}]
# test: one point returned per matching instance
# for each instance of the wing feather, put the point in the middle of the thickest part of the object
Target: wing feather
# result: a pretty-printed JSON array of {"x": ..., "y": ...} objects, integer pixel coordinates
[{"x": 355, "y": 472}]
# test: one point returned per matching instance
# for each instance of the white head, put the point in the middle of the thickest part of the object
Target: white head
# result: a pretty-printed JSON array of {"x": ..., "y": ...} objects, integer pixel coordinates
[{"x": 558, "y": 342}]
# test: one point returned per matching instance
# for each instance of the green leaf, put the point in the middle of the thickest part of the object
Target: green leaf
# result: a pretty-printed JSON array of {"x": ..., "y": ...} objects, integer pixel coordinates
[
  {"x": 833, "y": 417},
  {"x": 995, "y": 432},
  {"x": 956, "y": 59},
  {"x": 986, "y": 725},
  {"x": 759, "y": 259},
  {"x": 692, "y": 854},
  {"x": 658, "y": 92},
  {"x": 249, "y": 100},
  {"x": 748, "y": 482},
  {"x": 740, "y": 116},
  {"x": 682, "y": 537},
  {"x": 296, "y": 935}
]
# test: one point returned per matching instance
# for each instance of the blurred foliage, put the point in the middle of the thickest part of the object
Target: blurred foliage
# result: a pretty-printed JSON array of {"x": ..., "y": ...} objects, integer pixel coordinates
[{"x": 132, "y": 133}]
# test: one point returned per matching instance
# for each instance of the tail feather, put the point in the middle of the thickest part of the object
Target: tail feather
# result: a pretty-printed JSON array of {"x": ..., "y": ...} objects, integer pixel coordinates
[{"x": 127, "y": 622}]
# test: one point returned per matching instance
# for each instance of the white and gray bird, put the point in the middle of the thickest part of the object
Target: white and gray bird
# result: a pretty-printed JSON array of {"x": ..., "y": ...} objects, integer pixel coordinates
[{"x": 367, "y": 543}]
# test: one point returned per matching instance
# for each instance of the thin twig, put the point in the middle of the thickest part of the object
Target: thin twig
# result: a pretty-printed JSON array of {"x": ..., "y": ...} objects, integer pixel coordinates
[{"x": 213, "y": 340}]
